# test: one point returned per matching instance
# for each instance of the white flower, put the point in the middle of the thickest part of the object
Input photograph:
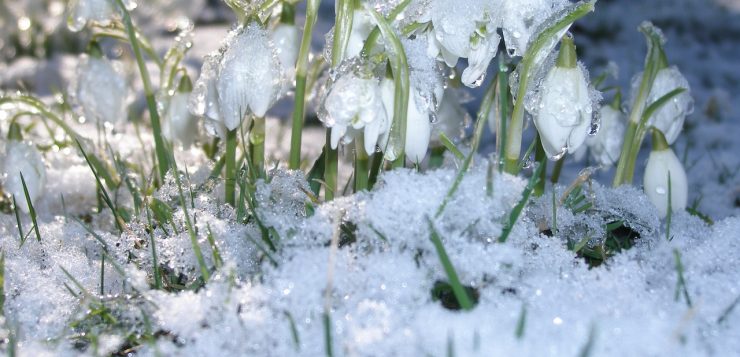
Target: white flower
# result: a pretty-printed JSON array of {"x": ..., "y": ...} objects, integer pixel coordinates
[
  {"x": 362, "y": 25},
  {"x": 287, "y": 41},
  {"x": 23, "y": 158},
  {"x": 670, "y": 117},
  {"x": 249, "y": 77},
  {"x": 661, "y": 164},
  {"x": 203, "y": 101},
  {"x": 355, "y": 103},
  {"x": 520, "y": 19},
  {"x": 564, "y": 115},
  {"x": 179, "y": 124},
  {"x": 606, "y": 145},
  {"x": 463, "y": 31},
  {"x": 101, "y": 90},
  {"x": 418, "y": 127},
  {"x": 101, "y": 11}
]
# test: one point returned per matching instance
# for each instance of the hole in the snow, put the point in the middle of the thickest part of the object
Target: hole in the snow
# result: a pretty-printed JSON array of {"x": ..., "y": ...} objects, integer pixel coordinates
[
  {"x": 619, "y": 237},
  {"x": 442, "y": 292}
]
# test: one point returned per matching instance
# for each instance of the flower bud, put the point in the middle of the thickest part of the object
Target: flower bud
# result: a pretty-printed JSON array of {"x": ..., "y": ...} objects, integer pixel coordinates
[
  {"x": 100, "y": 90},
  {"x": 418, "y": 127},
  {"x": 605, "y": 147},
  {"x": 565, "y": 109},
  {"x": 179, "y": 124},
  {"x": 662, "y": 164},
  {"x": 670, "y": 117}
]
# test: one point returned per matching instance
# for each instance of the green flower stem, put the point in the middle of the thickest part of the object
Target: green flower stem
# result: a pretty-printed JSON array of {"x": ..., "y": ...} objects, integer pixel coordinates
[
  {"x": 400, "y": 68},
  {"x": 257, "y": 145},
  {"x": 230, "y": 186},
  {"x": 299, "y": 110},
  {"x": 362, "y": 165},
  {"x": 654, "y": 61},
  {"x": 541, "y": 158},
  {"x": 503, "y": 111},
  {"x": 159, "y": 142},
  {"x": 556, "y": 170},
  {"x": 543, "y": 40},
  {"x": 331, "y": 165}
]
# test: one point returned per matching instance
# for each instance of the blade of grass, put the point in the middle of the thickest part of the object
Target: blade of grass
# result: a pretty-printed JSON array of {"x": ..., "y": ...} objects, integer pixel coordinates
[
  {"x": 517, "y": 210},
  {"x": 457, "y": 288},
  {"x": 681, "y": 287},
  {"x": 106, "y": 197},
  {"x": 450, "y": 146},
  {"x": 31, "y": 210}
]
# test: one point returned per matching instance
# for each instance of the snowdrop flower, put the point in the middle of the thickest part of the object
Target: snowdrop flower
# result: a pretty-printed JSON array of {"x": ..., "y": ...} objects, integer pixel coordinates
[
  {"x": 463, "y": 31},
  {"x": 287, "y": 41},
  {"x": 250, "y": 80},
  {"x": 23, "y": 158},
  {"x": 355, "y": 103},
  {"x": 520, "y": 19},
  {"x": 100, "y": 89},
  {"x": 84, "y": 11},
  {"x": 418, "y": 127},
  {"x": 605, "y": 147},
  {"x": 203, "y": 101},
  {"x": 661, "y": 164},
  {"x": 362, "y": 25},
  {"x": 670, "y": 117},
  {"x": 565, "y": 108},
  {"x": 179, "y": 124}
]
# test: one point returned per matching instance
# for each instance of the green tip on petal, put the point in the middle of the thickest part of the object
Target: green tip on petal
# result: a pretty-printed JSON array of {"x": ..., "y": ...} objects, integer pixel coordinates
[
  {"x": 567, "y": 57},
  {"x": 659, "y": 141}
]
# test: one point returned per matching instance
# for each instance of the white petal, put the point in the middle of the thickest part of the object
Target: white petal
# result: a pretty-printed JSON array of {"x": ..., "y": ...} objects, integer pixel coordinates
[
  {"x": 655, "y": 182},
  {"x": 180, "y": 125},
  {"x": 337, "y": 132},
  {"x": 670, "y": 117},
  {"x": 287, "y": 41},
  {"x": 101, "y": 90},
  {"x": 418, "y": 132}
]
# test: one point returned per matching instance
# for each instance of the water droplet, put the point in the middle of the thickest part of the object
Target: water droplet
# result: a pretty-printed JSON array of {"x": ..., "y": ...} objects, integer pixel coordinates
[
  {"x": 433, "y": 118},
  {"x": 660, "y": 190},
  {"x": 560, "y": 155}
]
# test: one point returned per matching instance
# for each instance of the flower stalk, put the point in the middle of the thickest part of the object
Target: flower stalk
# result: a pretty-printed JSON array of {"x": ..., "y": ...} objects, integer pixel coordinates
[
  {"x": 230, "y": 184},
  {"x": 299, "y": 110}
]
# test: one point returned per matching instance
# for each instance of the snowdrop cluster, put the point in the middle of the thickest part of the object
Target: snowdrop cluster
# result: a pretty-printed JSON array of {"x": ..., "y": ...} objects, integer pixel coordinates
[{"x": 246, "y": 77}]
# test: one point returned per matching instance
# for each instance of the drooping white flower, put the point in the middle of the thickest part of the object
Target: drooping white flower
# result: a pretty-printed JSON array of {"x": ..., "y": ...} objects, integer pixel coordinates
[
  {"x": 606, "y": 145},
  {"x": 362, "y": 25},
  {"x": 179, "y": 124},
  {"x": 101, "y": 11},
  {"x": 287, "y": 41},
  {"x": 23, "y": 158},
  {"x": 101, "y": 90},
  {"x": 670, "y": 117},
  {"x": 418, "y": 127},
  {"x": 203, "y": 101},
  {"x": 564, "y": 112},
  {"x": 355, "y": 103},
  {"x": 661, "y": 164},
  {"x": 465, "y": 31},
  {"x": 249, "y": 77},
  {"x": 521, "y": 19}
]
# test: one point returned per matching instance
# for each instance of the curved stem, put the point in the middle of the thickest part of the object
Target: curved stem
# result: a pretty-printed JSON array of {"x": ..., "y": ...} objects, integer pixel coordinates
[
  {"x": 536, "y": 52},
  {"x": 159, "y": 142}
]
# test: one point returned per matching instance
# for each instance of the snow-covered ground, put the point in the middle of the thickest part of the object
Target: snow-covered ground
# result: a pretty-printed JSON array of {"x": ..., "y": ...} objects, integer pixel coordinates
[{"x": 365, "y": 262}]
